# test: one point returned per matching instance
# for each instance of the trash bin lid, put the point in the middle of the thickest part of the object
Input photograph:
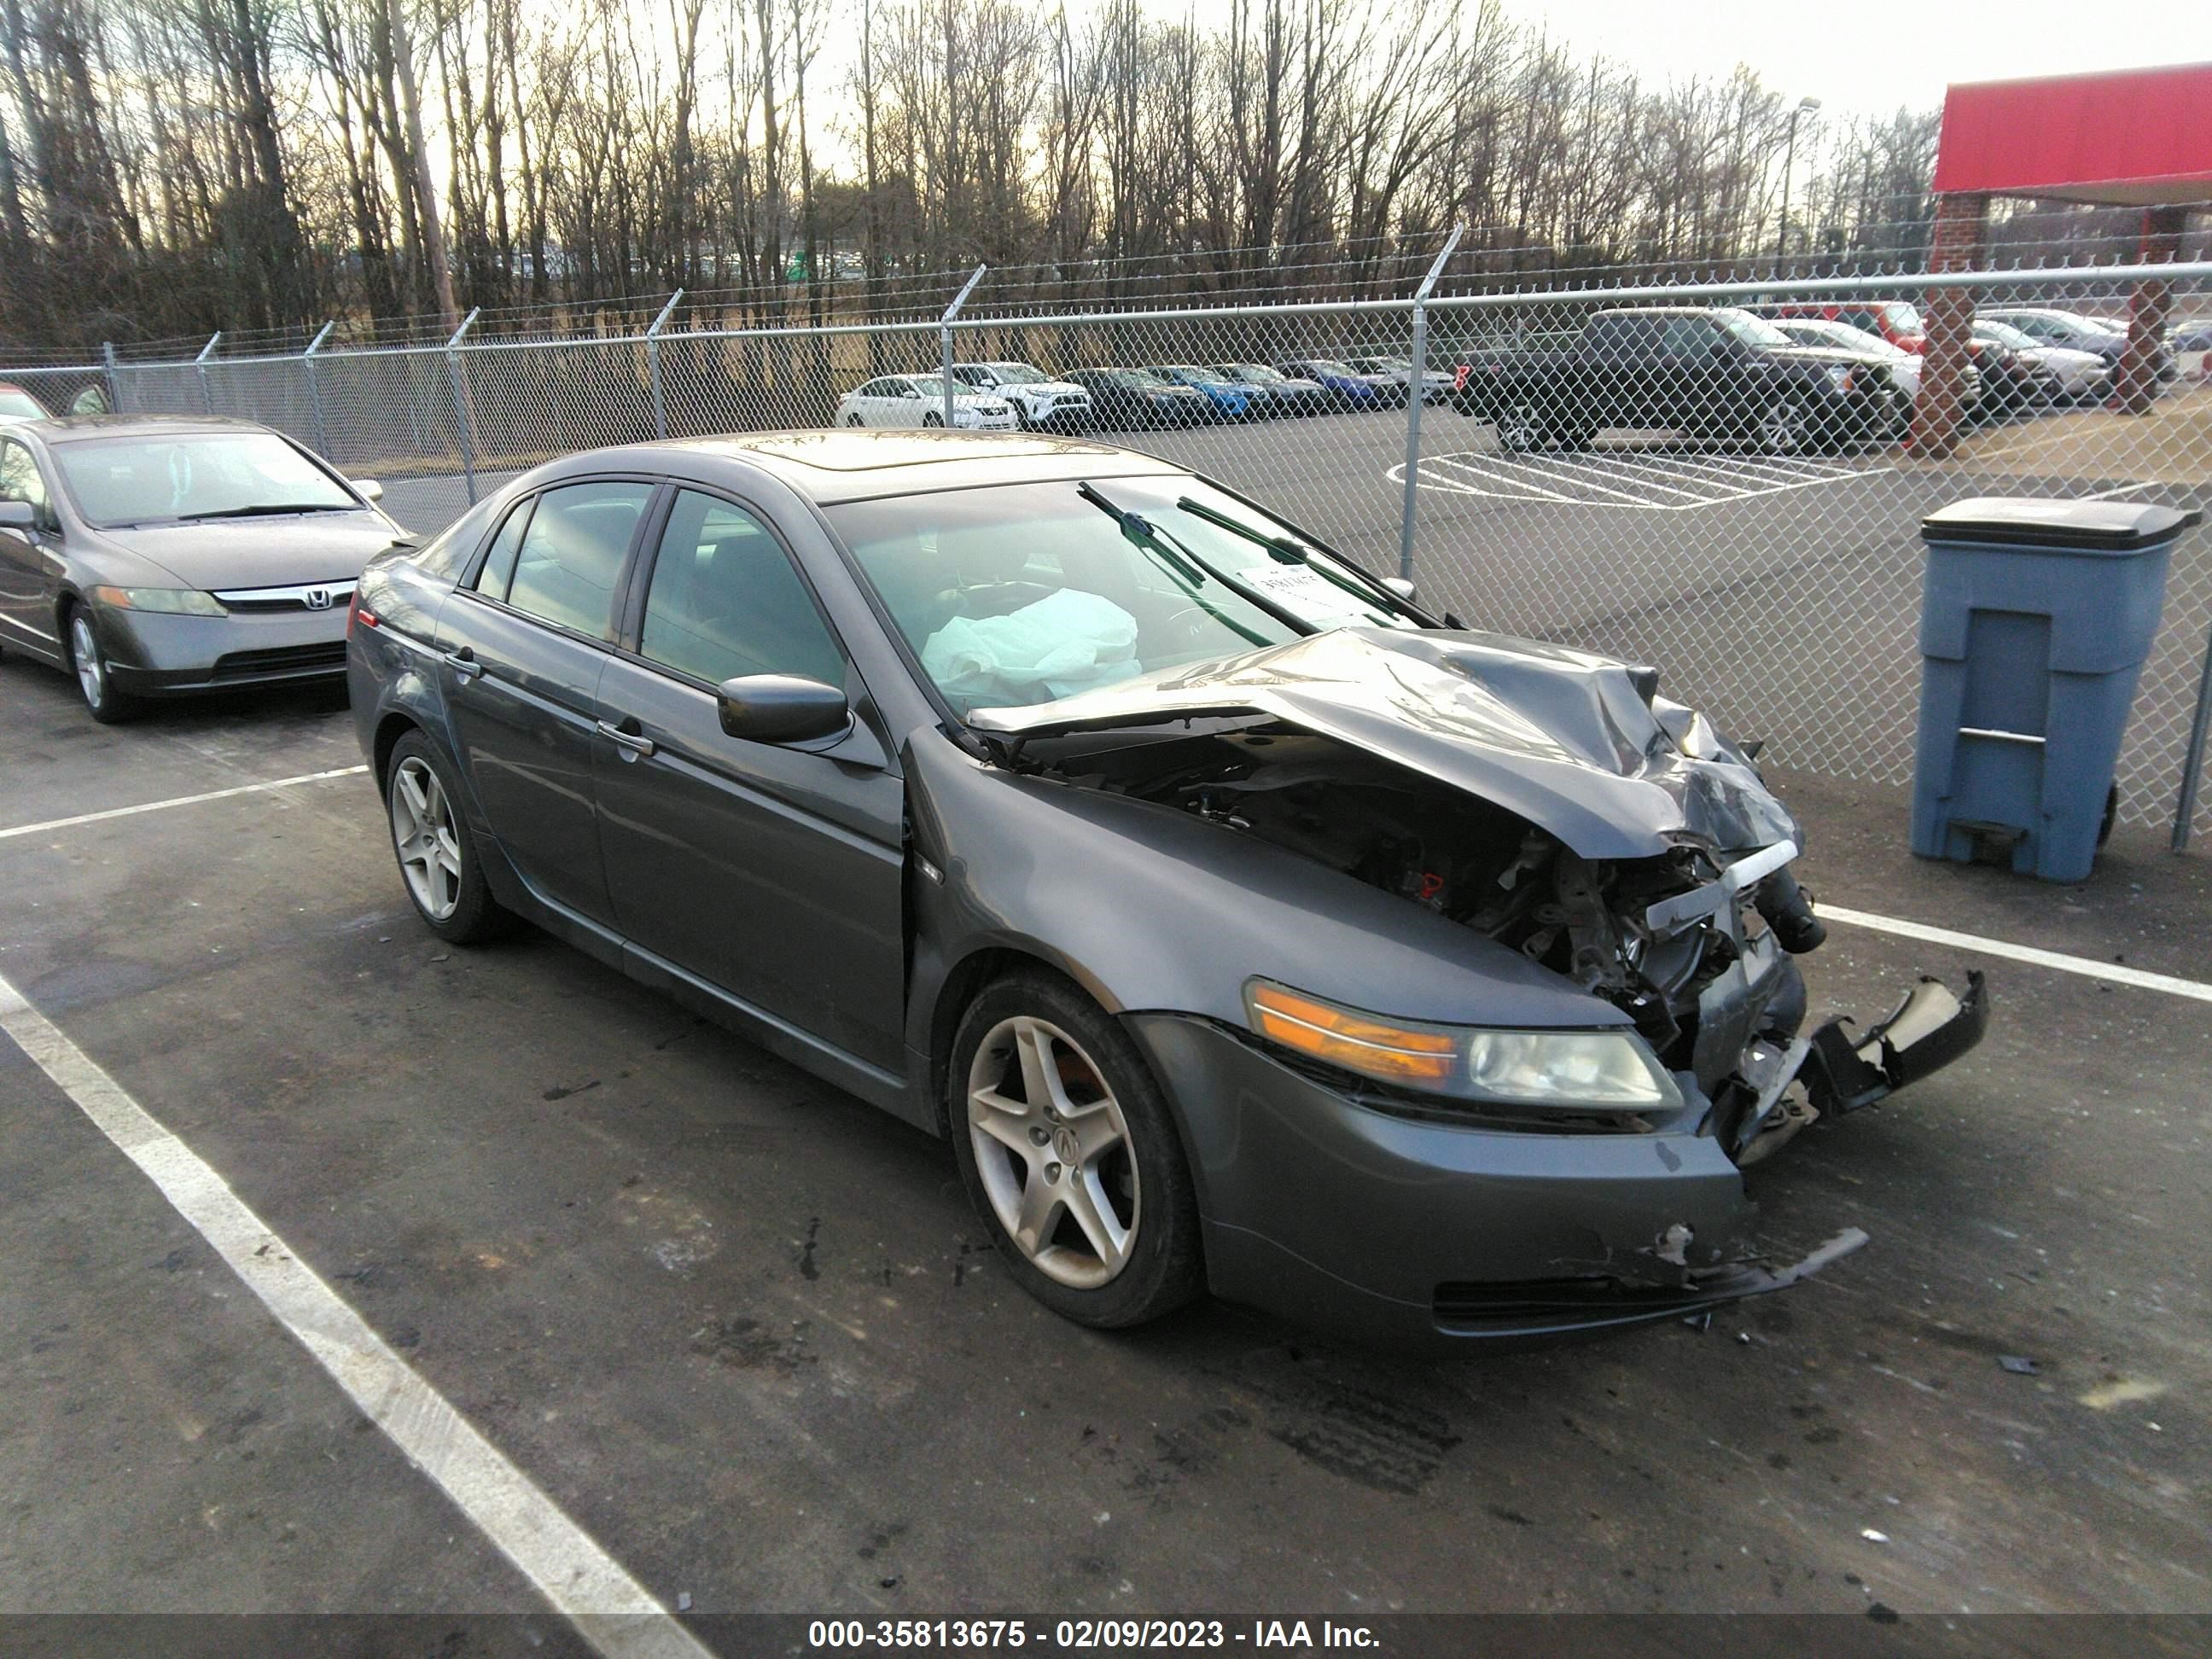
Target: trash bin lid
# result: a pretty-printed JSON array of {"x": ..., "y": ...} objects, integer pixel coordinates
[{"x": 2032, "y": 521}]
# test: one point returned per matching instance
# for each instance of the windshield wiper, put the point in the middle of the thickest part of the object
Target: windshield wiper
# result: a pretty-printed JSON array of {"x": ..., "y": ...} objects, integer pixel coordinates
[
  {"x": 269, "y": 509},
  {"x": 1284, "y": 550},
  {"x": 1143, "y": 533}
]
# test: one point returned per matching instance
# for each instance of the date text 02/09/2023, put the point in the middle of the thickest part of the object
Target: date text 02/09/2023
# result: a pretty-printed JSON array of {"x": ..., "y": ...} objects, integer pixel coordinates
[{"x": 1078, "y": 1635}]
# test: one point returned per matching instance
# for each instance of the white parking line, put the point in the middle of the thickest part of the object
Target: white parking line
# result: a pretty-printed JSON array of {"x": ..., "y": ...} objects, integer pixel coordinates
[
  {"x": 1633, "y": 480},
  {"x": 178, "y": 800},
  {"x": 610, "y": 1610},
  {"x": 1398, "y": 474},
  {"x": 2196, "y": 990}
]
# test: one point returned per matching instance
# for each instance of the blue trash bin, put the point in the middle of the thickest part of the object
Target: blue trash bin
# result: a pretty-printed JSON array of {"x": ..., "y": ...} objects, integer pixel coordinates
[{"x": 2034, "y": 623}]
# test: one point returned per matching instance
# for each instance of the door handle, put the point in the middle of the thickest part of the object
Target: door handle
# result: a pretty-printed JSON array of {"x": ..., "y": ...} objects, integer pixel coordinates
[
  {"x": 464, "y": 662},
  {"x": 634, "y": 743}
]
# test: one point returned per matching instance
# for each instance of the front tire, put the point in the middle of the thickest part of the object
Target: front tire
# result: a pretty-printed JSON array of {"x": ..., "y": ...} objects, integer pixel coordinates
[
  {"x": 932, "y": 419},
  {"x": 95, "y": 677},
  {"x": 439, "y": 863},
  {"x": 1070, "y": 1153}
]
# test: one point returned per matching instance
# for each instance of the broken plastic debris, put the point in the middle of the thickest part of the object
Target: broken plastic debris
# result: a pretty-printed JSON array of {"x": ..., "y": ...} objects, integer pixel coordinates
[
  {"x": 684, "y": 1601},
  {"x": 1873, "y": 1536},
  {"x": 2019, "y": 1365}
]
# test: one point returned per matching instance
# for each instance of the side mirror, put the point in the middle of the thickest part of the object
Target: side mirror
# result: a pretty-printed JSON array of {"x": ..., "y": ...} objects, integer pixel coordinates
[
  {"x": 1403, "y": 588},
  {"x": 781, "y": 708},
  {"x": 18, "y": 515},
  {"x": 368, "y": 489}
]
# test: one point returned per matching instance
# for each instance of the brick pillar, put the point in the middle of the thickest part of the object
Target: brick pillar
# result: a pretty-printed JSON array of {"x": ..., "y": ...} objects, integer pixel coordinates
[
  {"x": 2135, "y": 388},
  {"x": 1955, "y": 244}
]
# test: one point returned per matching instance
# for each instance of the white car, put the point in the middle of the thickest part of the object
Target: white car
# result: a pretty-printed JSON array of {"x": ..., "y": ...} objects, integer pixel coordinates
[
  {"x": 919, "y": 400},
  {"x": 1040, "y": 401},
  {"x": 1436, "y": 383},
  {"x": 1903, "y": 366},
  {"x": 2072, "y": 376}
]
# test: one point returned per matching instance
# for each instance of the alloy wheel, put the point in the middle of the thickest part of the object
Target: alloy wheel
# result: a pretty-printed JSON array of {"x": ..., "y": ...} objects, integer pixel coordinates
[
  {"x": 429, "y": 845},
  {"x": 1053, "y": 1149},
  {"x": 1783, "y": 430},
  {"x": 91, "y": 672},
  {"x": 1518, "y": 429}
]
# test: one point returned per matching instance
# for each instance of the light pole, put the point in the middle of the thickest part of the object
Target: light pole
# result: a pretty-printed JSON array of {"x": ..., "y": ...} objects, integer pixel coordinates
[{"x": 1805, "y": 107}]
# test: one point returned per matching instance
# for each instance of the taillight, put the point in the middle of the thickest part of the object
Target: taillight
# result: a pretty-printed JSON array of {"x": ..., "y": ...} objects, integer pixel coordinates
[{"x": 355, "y": 614}]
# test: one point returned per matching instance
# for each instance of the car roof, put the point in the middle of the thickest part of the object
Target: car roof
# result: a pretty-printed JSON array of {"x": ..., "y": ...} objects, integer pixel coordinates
[
  {"x": 70, "y": 428},
  {"x": 843, "y": 464}
]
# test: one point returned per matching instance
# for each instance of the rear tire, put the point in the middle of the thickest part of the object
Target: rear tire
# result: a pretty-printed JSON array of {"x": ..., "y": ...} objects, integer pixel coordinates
[
  {"x": 1785, "y": 427},
  {"x": 1520, "y": 427},
  {"x": 932, "y": 419},
  {"x": 1089, "y": 1199},
  {"x": 95, "y": 678},
  {"x": 439, "y": 864}
]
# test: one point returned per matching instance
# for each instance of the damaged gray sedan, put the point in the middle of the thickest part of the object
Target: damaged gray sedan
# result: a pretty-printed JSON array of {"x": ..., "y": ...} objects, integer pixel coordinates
[{"x": 1244, "y": 926}]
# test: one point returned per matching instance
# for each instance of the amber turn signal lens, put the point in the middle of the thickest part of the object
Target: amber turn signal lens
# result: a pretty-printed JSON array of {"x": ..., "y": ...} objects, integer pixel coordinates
[{"x": 1346, "y": 1037}]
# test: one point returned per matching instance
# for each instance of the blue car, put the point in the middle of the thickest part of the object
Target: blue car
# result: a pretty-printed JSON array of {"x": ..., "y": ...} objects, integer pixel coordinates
[
  {"x": 1231, "y": 399},
  {"x": 1346, "y": 387}
]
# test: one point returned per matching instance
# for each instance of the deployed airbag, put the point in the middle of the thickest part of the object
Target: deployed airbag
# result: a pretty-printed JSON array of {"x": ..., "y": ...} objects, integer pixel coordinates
[{"x": 1067, "y": 642}]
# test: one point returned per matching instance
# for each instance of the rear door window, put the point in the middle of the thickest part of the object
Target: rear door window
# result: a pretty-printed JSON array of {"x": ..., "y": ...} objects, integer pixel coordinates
[
  {"x": 499, "y": 564},
  {"x": 570, "y": 556}
]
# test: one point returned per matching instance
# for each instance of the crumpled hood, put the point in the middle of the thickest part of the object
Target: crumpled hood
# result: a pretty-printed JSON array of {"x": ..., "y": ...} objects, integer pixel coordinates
[
  {"x": 271, "y": 552},
  {"x": 1561, "y": 737}
]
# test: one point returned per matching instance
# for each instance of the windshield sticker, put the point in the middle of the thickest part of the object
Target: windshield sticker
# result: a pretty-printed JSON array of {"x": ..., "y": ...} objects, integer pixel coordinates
[{"x": 1298, "y": 587}]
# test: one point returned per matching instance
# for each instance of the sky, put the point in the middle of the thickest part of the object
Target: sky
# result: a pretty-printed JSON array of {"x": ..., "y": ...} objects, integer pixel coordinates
[
  {"x": 1869, "y": 57},
  {"x": 1861, "y": 57}
]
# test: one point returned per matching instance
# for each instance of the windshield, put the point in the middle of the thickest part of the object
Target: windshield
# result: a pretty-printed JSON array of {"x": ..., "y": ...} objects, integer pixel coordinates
[
  {"x": 2004, "y": 334},
  {"x": 933, "y": 386},
  {"x": 1025, "y": 593},
  {"x": 1016, "y": 373},
  {"x": 122, "y": 481},
  {"x": 1749, "y": 330},
  {"x": 1183, "y": 373},
  {"x": 1255, "y": 372},
  {"x": 1142, "y": 379},
  {"x": 14, "y": 403},
  {"x": 1903, "y": 318},
  {"x": 1327, "y": 366}
]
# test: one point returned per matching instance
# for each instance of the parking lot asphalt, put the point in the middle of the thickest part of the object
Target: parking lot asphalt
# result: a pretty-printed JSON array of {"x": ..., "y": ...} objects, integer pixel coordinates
[{"x": 747, "y": 1333}]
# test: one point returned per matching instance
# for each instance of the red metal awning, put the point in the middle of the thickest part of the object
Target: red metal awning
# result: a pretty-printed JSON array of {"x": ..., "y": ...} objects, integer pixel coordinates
[{"x": 2135, "y": 137}]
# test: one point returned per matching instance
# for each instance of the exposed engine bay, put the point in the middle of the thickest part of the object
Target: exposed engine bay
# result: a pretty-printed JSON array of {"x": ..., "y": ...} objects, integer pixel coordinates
[{"x": 1694, "y": 944}]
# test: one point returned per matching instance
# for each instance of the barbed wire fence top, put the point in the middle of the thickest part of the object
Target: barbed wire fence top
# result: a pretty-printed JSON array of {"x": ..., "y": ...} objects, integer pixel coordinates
[{"x": 1772, "y": 571}]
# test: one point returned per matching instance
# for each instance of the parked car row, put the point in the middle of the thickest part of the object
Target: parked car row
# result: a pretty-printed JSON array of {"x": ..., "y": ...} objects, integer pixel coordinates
[
  {"x": 1785, "y": 378},
  {"x": 999, "y": 395}
]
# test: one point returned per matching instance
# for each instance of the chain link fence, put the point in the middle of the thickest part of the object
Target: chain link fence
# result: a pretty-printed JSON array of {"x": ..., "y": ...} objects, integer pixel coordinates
[{"x": 1724, "y": 479}]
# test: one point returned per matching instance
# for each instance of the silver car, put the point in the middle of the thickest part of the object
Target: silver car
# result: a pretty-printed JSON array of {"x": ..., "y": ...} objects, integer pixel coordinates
[{"x": 151, "y": 556}]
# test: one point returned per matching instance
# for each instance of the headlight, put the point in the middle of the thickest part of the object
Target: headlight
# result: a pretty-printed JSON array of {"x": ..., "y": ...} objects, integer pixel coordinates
[
  {"x": 1839, "y": 376},
  {"x": 171, "y": 601},
  {"x": 1568, "y": 1071}
]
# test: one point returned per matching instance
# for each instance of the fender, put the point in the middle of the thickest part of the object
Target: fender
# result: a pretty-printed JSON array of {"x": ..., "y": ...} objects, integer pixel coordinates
[{"x": 1052, "y": 869}]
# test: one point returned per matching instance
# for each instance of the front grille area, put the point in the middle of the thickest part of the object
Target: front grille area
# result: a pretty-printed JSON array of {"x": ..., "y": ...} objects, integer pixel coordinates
[
  {"x": 284, "y": 659},
  {"x": 251, "y": 600}
]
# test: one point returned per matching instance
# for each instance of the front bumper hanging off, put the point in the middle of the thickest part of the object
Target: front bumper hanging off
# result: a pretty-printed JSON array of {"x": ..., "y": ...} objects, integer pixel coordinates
[{"x": 1926, "y": 1031}]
